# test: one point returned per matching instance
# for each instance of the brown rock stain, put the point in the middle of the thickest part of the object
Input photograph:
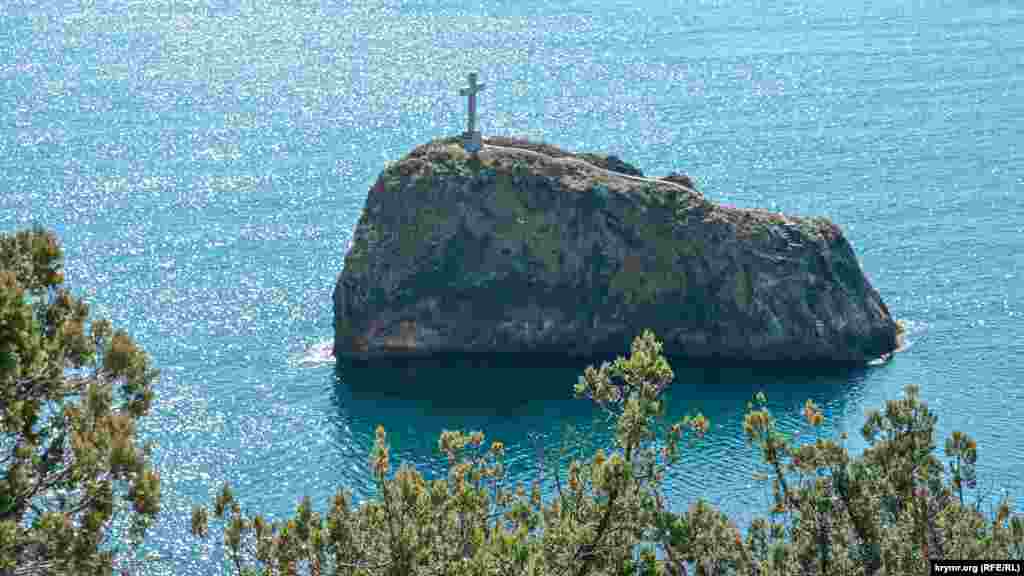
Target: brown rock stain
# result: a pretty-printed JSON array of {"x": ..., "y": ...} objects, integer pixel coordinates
[{"x": 406, "y": 338}]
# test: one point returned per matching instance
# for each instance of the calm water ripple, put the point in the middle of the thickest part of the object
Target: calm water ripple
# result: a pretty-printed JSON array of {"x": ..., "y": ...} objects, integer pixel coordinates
[{"x": 205, "y": 163}]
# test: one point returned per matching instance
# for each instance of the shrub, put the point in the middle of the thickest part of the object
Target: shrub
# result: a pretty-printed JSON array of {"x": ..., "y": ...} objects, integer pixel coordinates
[
  {"x": 71, "y": 393},
  {"x": 886, "y": 511}
]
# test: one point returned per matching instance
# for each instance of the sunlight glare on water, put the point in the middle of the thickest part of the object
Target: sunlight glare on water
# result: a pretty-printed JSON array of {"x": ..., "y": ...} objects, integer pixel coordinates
[{"x": 205, "y": 164}]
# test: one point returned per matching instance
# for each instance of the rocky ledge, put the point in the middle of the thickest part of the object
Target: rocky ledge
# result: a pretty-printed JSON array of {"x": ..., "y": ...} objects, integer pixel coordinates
[{"x": 529, "y": 248}]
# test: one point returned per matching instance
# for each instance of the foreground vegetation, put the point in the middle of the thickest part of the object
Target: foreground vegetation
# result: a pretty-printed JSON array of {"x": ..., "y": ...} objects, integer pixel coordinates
[
  {"x": 76, "y": 482},
  {"x": 71, "y": 392}
]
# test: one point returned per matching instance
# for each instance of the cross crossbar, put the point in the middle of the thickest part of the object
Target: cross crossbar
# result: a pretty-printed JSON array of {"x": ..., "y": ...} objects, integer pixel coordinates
[{"x": 471, "y": 92}]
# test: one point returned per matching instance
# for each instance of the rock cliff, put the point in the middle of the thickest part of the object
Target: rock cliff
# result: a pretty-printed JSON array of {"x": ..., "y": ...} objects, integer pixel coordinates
[{"x": 529, "y": 248}]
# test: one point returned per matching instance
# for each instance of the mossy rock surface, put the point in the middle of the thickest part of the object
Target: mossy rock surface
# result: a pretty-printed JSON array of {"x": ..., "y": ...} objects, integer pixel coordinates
[{"x": 529, "y": 247}]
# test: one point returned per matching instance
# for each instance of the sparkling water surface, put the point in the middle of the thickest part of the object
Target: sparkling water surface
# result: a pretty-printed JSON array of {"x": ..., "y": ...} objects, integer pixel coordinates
[{"x": 205, "y": 162}]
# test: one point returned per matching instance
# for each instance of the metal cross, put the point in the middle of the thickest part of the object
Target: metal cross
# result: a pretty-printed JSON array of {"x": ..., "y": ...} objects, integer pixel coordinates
[{"x": 471, "y": 92}]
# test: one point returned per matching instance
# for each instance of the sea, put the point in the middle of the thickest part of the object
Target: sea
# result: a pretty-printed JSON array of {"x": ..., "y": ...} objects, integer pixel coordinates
[{"x": 204, "y": 163}]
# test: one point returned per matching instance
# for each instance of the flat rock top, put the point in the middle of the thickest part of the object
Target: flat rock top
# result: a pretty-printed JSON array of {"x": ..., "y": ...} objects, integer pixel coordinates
[{"x": 582, "y": 172}]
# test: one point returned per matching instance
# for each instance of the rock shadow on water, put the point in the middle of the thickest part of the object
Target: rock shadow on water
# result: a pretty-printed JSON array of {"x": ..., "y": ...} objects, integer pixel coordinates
[
  {"x": 416, "y": 399},
  {"x": 724, "y": 390},
  {"x": 527, "y": 403},
  {"x": 462, "y": 384},
  {"x": 520, "y": 393}
]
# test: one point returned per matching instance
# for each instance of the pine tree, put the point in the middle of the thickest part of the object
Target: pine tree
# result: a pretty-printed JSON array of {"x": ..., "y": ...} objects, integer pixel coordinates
[{"x": 72, "y": 390}]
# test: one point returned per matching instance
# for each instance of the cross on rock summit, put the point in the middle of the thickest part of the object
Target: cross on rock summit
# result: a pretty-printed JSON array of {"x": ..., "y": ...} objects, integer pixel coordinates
[{"x": 471, "y": 140}]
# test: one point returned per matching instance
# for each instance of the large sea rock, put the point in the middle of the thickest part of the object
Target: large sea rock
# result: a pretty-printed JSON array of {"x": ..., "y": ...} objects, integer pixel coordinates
[{"x": 529, "y": 248}]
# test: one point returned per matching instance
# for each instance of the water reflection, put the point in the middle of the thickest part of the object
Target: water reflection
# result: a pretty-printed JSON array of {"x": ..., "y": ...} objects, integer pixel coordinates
[
  {"x": 527, "y": 403},
  {"x": 416, "y": 400}
]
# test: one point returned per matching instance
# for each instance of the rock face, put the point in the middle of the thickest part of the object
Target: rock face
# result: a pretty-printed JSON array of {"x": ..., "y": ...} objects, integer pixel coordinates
[{"x": 529, "y": 248}]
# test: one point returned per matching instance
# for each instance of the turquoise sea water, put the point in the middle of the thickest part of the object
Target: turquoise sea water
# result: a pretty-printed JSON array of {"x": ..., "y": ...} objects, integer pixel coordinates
[{"x": 205, "y": 162}]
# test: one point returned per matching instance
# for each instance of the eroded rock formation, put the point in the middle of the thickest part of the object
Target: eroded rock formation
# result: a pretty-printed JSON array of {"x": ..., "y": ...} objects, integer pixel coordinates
[{"x": 529, "y": 248}]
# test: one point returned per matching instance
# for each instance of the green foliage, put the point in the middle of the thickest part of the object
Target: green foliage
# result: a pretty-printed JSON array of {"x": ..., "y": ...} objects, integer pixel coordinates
[
  {"x": 521, "y": 224},
  {"x": 454, "y": 161},
  {"x": 743, "y": 289},
  {"x": 416, "y": 229},
  {"x": 885, "y": 512},
  {"x": 71, "y": 393},
  {"x": 520, "y": 170},
  {"x": 364, "y": 241}
]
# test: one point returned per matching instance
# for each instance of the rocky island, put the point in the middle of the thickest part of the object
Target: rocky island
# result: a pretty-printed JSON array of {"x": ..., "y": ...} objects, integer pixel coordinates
[{"x": 525, "y": 247}]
